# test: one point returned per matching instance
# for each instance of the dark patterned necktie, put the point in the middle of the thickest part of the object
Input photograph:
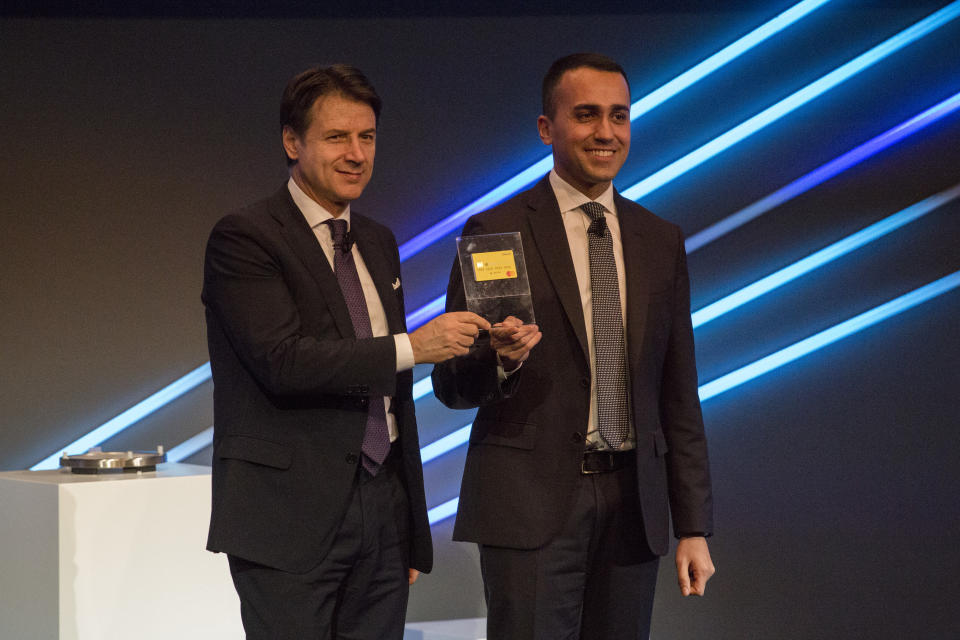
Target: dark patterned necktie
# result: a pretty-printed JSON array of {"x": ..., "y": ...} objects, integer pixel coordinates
[
  {"x": 376, "y": 437},
  {"x": 608, "y": 341}
]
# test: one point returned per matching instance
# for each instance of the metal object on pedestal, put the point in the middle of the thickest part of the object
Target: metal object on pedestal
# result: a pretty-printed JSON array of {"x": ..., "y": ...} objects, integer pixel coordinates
[{"x": 97, "y": 461}]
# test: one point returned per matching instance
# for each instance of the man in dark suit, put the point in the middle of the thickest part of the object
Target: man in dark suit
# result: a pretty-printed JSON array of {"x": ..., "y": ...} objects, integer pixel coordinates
[
  {"x": 317, "y": 483},
  {"x": 585, "y": 445}
]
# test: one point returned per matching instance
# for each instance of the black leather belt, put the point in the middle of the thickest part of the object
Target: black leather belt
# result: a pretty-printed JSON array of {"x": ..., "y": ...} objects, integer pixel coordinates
[{"x": 606, "y": 461}]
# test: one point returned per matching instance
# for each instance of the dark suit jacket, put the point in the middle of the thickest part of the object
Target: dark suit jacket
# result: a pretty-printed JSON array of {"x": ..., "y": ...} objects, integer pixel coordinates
[
  {"x": 292, "y": 385},
  {"x": 527, "y": 441}
]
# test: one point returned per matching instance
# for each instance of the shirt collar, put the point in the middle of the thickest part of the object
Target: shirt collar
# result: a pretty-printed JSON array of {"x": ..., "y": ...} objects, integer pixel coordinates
[
  {"x": 313, "y": 212},
  {"x": 568, "y": 198}
]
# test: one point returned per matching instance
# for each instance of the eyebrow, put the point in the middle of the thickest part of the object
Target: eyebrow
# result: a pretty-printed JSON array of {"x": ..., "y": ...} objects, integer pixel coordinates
[{"x": 596, "y": 107}]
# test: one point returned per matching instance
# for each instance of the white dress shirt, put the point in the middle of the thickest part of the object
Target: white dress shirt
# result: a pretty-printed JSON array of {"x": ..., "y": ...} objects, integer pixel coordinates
[
  {"x": 576, "y": 222},
  {"x": 316, "y": 216}
]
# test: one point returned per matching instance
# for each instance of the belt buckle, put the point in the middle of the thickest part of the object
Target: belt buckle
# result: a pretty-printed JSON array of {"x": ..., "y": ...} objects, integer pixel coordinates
[{"x": 589, "y": 472}]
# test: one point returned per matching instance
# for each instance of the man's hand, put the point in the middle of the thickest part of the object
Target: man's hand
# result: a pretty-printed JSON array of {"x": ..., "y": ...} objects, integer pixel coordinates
[
  {"x": 412, "y": 575},
  {"x": 693, "y": 561},
  {"x": 446, "y": 336},
  {"x": 513, "y": 341}
]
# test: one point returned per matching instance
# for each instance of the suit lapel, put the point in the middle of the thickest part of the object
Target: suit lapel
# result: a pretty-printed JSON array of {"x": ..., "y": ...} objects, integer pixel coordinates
[
  {"x": 636, "y": 270},
  {"x": 551, "y": 242},
  {"x": 375, "y": 258},
  {"x": 299, "y": 236}
]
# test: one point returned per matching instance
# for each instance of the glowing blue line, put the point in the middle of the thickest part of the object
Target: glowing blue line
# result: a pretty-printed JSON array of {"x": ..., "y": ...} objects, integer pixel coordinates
[
  {"x": 427, "y": 312},
  {"x": 790, "y": 103},
  {"x": 137, "y": 412},
  {"x": 652, "y": 100},
  {"x": 828, "y": 336},
  {"x": 189, "y": 447},
  {"x": 789, "y": 354},
  {"x": 443, "y": 511},
  {"x": 447, "y": 443},
  {"x": 823, "y": 173},
  {"x": 823, "y": 256},
  {"x": 421, "y": 388}
]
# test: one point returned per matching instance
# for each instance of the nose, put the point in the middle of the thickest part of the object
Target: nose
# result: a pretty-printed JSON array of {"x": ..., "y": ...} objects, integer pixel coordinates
[
  {"x": 356, "y": 152},
  {"x": 604, "y": 130}
]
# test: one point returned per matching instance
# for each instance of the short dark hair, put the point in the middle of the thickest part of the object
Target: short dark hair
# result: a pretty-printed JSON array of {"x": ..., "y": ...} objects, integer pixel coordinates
[
  {"x": 305, "y": 87},
  {"x": 568, "y": 63}
]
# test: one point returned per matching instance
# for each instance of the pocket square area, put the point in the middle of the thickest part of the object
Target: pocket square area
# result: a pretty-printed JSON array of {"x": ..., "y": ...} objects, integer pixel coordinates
[{"x": 396, "y": 284}]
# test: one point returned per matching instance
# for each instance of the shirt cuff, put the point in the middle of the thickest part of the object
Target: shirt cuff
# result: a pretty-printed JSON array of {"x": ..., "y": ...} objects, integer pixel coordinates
[
  {"x": 502, "y": 374},
  {"x": 404, "y": 352}
]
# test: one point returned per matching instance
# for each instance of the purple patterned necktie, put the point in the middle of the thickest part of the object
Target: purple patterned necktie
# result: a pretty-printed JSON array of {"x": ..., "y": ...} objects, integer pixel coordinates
[
  {"x": 376, "y": 438},
  {"x": 608, "y": 340}
]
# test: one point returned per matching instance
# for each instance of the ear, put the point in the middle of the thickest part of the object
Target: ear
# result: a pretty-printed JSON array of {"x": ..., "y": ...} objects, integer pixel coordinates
[
  {"x": 543, "y": 126},
  {"x": 290, "y": 140}
]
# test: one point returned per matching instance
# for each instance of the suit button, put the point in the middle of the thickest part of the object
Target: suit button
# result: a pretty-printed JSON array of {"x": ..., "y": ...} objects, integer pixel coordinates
[
  {"x": 585, "y": 383},
  {"x": 363, "y": 402},
  {"x": 576, "y": 437},
  {"x": 351, "y": 458}
]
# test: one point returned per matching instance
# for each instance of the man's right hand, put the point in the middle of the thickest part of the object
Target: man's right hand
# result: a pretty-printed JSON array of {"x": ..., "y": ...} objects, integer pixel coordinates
[{"x": 448, "y": 335}]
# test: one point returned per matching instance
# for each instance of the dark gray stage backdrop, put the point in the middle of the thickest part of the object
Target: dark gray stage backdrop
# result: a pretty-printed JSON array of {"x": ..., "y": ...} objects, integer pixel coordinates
[{"x": 836, "y": 476}]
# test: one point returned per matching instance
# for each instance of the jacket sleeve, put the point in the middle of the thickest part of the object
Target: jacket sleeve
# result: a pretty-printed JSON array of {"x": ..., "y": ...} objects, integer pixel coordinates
[{"x": 688, "y": 468}]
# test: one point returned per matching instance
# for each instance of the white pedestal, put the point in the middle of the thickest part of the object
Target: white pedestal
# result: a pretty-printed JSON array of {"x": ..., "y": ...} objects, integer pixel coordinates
[{"x": 103, "y": 557}]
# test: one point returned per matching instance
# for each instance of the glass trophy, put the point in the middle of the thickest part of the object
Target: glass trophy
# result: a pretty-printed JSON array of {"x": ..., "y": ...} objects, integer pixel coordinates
[{"x": 495, "y": 277}]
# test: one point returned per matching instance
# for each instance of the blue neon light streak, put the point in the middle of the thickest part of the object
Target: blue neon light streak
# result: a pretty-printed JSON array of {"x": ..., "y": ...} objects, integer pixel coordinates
[
  {"x": 447, "y": 443},
  {"x": 426, "y": 313},
  {"x": 652, "y": 100},
  {"x": 797, "y": 99},
  {"x": 828, "y": 336},
  {"x": 137, "y": 412},
  {"x": 823, "y": 173},
  {"x": 794, "y": 352},
  {"x": 443, "y": 511},
  {"x": 823, "y": 256},
  {"x": 190, "y": 446},
  {"x": 421, "y": 388}
]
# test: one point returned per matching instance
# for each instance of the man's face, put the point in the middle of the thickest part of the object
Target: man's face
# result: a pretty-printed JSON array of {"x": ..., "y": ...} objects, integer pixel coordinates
[
  {"x": 335, "y": 154},
  {"x": 590, "y": 129}
]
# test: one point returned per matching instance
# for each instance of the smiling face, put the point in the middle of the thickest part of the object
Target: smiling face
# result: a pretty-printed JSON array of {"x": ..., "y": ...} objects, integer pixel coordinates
[
  {"x": 334, "y": 156},
  {"x": 589, "y": 129}
]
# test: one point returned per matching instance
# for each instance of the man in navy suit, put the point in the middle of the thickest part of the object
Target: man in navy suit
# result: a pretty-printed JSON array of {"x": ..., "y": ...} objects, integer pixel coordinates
[
  {"x": 589, "y": 434},
  {"x": 317, "y": 483}
]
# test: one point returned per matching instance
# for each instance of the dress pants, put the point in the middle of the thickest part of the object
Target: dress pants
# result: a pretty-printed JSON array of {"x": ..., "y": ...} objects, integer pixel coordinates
[
  {"x": 594, "y": 580},
  {"x": 358, "y": 592}
]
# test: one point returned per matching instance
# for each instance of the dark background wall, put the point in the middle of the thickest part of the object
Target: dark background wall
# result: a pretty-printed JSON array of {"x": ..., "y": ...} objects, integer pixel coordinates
[{"x": 125, "y": 138}]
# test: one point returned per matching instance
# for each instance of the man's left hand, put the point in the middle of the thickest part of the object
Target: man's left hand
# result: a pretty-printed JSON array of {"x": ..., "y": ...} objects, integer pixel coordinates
[
  {"x": 513, "y": 341},
  {"x": 412, "y": 575},
  {"x": 694, "y": 566}
]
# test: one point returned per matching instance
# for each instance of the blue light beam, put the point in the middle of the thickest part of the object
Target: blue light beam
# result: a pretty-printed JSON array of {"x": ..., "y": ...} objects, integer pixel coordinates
[
  {"x": 191, "y": 446},
  {"x": 794, "y": 352},
  {"x": 792, "y": 102},
  {"x": 823, "y": 173},
  {"x": 828, "y": 336},
  {"x": 135, "y": 413},
  {"x": 823, "y": 256},
  {"x": 652, "y": 100}
]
